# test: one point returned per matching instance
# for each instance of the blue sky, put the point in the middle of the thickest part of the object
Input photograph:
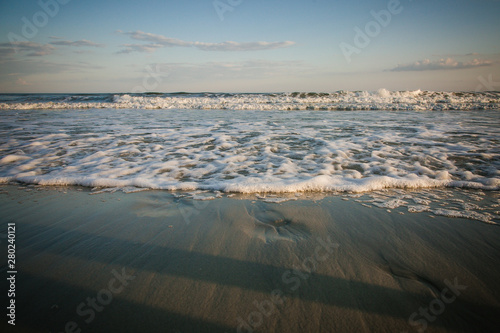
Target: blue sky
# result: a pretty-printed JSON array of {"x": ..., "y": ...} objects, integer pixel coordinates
[{"x": 248, "y": 45}]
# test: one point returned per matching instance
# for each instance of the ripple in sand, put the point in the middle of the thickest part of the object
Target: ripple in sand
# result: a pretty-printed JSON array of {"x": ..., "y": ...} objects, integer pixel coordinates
[{"x": 272, "y": 226}]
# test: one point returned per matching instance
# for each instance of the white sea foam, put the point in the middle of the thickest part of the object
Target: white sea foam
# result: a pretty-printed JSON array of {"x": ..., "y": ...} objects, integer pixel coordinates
[
  {"x": 341, "y": 100},
  {"x": 463, "y": 214},
  {"x": 418, "y": 208},
  {"x": 206, "y": 143},
  {"x": 251, "y": 151}
]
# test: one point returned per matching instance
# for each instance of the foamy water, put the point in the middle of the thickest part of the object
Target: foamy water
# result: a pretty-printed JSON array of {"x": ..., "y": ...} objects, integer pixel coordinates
[
  {"x": 341, "y": 100},
  {"x": 250, "y": 151}
]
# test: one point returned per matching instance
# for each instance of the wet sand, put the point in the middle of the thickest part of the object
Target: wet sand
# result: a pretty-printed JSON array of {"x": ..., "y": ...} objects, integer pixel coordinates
[{"x": 154, "y": 262}]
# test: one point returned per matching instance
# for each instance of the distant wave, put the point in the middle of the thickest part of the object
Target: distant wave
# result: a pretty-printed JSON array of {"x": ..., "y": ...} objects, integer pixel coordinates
[{"x": 341, "y": 100}]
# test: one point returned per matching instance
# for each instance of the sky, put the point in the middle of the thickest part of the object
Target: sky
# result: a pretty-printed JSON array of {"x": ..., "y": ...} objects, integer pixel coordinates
[{"x": 112, "y": 46}]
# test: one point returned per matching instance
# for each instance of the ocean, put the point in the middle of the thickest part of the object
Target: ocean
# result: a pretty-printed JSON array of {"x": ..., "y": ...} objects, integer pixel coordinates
[{"x": 385, "y": 149}]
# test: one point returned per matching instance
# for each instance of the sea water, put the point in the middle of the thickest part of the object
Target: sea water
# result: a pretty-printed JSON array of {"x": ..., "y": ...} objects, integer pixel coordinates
[{"x": 265, "y": 144}]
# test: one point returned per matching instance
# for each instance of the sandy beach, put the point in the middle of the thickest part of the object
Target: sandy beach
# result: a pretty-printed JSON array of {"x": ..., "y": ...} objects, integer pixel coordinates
[
  {"x": 153, "y": 261},
  {"x": 234, "y": 166}
]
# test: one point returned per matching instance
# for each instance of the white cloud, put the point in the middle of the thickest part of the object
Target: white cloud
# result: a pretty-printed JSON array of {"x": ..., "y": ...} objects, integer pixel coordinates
[
  {"x": 250, "y": 69},
  {"x": 234, "y": 46},
  {"x": 58, "y": 67},
  {"x": 149, "y": 48},
  {"x": 78, "y": 43},
  {"x": 21, "y": 82},
  {"x": 158, "y": 41},
  {"x": 442, "y": 64},
  {"x": 34, "y": 66},
  {"x": 31, "y": 49},
  {"x": 6, "y": 51}
]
